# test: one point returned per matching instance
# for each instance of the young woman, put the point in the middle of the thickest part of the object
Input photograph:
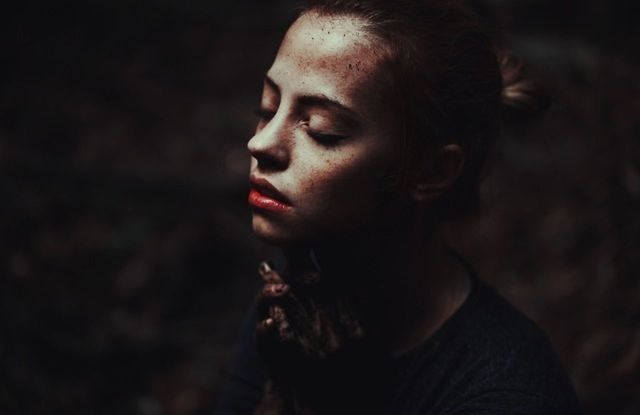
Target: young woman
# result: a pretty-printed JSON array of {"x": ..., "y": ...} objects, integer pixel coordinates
[{"x": 375, "y": 120}]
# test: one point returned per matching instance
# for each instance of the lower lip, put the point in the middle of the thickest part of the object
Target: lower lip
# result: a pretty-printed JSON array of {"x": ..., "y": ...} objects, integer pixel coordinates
[{"x": 258, "y": 200}]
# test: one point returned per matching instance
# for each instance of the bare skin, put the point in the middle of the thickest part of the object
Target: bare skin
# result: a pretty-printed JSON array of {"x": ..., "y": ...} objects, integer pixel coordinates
[
  {"x": 403, "y": 305},
  {"x": 387, "y": 281},
  {"x": 324, "y": 83}
]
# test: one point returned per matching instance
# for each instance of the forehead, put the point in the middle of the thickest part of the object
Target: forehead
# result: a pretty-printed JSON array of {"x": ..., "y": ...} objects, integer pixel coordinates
[{"x": 331, "y": 55}]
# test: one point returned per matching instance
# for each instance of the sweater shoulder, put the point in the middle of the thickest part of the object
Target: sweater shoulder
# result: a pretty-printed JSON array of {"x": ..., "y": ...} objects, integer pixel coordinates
[{"x": 490, "y": 349}]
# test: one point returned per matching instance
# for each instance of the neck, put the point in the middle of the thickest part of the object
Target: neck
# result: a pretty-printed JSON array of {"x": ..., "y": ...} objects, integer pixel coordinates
[{"x": 403, "y": 283}]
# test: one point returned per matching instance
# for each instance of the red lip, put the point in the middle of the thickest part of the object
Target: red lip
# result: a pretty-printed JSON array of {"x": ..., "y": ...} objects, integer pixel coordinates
[{"x": 264, "y": 195}]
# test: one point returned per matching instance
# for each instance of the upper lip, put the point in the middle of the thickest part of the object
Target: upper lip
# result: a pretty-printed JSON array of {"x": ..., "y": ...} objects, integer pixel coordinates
[{"x": 267, "y": 189}]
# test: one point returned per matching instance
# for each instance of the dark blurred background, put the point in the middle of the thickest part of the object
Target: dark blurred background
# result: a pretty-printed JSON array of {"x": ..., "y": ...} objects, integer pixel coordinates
[{"x": 126, "y": 254}]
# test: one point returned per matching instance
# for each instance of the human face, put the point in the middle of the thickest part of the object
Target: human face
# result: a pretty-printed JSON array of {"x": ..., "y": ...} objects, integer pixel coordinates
[{"x": 324, "y": 139}]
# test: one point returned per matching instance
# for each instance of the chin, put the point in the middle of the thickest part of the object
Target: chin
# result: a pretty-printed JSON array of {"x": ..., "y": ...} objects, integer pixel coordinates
[
  {"x": 270, "y": 232},
  {"x": 279, "y": 233}
]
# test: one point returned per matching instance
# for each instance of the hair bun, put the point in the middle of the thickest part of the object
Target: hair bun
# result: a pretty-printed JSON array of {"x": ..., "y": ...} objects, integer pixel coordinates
[{"x": 521, "y": 97}]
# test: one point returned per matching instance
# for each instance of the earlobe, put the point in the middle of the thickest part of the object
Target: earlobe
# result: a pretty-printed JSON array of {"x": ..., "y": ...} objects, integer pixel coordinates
[{"x": 438, "y": 174}]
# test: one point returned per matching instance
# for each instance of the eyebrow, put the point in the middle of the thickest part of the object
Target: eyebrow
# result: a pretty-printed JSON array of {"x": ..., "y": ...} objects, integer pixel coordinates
[{"x": 322, "y": 101}]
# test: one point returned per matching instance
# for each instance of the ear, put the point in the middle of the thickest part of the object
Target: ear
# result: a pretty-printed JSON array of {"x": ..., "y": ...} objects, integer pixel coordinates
[{"x": 438, "y": 173}]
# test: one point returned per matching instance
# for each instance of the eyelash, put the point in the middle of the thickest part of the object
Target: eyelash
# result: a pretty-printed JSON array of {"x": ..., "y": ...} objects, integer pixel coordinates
[{"x": 325, "y": 139}]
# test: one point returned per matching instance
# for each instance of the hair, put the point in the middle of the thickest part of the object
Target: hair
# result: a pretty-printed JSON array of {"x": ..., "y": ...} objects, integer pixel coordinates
[{"x": 449, "y": 82}]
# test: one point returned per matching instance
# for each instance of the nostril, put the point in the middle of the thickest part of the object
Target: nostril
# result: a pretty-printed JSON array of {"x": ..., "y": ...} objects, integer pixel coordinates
[{"x": 269, "y": 157}]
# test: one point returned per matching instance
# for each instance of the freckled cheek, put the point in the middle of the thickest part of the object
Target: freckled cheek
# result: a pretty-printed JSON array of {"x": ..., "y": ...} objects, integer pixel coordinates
[{"x": 337, "y": 186}]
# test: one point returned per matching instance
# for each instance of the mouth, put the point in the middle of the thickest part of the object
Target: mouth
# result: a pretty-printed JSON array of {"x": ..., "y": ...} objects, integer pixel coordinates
[{"x": 264, "y": 195}]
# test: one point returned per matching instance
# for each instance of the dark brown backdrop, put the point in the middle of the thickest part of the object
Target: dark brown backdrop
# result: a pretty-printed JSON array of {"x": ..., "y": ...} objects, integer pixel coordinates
[{"x": 126, "y": 255}]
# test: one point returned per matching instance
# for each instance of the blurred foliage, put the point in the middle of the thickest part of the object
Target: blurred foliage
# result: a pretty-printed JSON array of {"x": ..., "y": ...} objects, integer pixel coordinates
[{"x": 126, "y": 255}]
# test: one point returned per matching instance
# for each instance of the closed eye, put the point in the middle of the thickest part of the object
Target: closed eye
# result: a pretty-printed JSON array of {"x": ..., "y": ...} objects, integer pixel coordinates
[{"x": 327, "y": 139}]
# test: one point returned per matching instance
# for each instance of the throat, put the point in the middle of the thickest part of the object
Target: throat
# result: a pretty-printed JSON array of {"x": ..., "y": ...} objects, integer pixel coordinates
[{"x": 402, "y": 292}]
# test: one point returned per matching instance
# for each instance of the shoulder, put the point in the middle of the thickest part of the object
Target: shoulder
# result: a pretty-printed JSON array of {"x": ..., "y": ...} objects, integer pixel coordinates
[
  {"x": 491, "y": 358},
  {"x": 515, "y": 364}
]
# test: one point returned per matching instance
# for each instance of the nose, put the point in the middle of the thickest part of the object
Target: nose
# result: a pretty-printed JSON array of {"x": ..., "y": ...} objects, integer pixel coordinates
[{"x": 268, "y": 146}]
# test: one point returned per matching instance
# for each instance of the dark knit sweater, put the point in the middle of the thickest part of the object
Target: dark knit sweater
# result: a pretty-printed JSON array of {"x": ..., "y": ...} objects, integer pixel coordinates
[{"x": 488, "y": 358}]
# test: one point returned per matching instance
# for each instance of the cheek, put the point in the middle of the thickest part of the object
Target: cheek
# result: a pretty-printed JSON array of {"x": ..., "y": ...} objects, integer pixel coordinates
[{"x": 341, "y": 189}]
